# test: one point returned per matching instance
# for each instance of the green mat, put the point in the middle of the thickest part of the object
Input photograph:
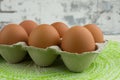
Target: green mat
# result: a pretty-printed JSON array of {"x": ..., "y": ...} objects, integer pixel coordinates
[{"x": 105, "y": 67}]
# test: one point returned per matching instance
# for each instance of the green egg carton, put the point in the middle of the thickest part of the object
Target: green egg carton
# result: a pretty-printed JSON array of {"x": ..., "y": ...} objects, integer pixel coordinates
[
  {"x": 79, "y": 62},
  {"x": 43, "y": 57},
  {"x": 13, "y": 53},
  {"x": 74, "y": 62}
]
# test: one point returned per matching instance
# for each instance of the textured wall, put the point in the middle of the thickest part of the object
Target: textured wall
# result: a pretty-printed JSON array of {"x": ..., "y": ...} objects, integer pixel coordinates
[{"x": 105, "y": 13}]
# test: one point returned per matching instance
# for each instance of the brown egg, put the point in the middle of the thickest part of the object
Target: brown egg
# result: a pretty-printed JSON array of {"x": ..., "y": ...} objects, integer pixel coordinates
[
  {"x": 96, "y": 32},
  {"x": 28, "y": 25},
  {"x": 0, "y": 39},
  {"x": 77, "y": 40},
  {"x": 13, "y": 33},
  {"x": 44, "y": 36},
  {"x": 60, "y": 27}
]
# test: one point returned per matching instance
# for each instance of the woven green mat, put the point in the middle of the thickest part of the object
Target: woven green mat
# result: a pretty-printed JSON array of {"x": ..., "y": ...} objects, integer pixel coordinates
[{"x": 105, "y": 67}]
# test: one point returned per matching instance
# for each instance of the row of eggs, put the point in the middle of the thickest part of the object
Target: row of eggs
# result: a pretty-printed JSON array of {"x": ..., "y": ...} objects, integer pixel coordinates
[{"x": 76, "y": 39}]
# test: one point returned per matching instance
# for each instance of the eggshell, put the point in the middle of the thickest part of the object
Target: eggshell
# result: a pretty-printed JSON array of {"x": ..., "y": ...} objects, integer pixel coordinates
[
  {"x": 0, "y": 38},
  {"x": 60, "y": 27},
  {"x": 96, "y": 32},
  {"x": 13, "y": 33},
  {"x": 44, "y": 36},
  {"x": 78, "y": 39},
  {"x": 28, "y": 25}
]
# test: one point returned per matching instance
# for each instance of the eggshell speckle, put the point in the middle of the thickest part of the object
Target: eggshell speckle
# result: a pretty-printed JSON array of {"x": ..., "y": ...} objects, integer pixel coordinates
[
  {"x": 44, "y": 36},
  {"x": 96, "y": 32},
  {"x": 78, "y": 39}
]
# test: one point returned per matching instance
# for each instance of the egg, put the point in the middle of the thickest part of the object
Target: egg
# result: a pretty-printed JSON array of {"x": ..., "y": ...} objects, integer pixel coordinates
[
  {"x": 96, "y": 32},
  {"x": 0, "y": 33},
  {"x": 28, "y": 25},
  {"x": 44, "y": 36},
  {"x": 77, "y": 40},
  {"x": 13, "y": 33},
  {"x": 60, "y": 27}
]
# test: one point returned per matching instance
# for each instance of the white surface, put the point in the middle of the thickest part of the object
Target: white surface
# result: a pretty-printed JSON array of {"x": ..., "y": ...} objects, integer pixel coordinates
[
  {"x": 112, "y": 37},
  {"x": 104, "y": 13}
]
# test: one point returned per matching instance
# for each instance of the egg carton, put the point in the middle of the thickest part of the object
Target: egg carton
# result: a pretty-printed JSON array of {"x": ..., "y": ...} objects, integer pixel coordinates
[{"x": 45, "y": 57}]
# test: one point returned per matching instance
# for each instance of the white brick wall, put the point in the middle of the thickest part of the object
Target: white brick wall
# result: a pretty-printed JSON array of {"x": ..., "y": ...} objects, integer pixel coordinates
[{"x": 105, "y": 13}]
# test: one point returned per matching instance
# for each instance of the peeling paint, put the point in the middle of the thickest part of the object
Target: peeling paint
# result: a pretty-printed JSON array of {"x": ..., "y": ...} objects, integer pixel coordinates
[
  {"x": 70, "y": 19},
  {"x": 104, "y": 13}
]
